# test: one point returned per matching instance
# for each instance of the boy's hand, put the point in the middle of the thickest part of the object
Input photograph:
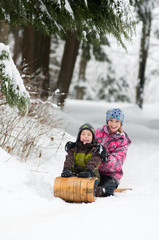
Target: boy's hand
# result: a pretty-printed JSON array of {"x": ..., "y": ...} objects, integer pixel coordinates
[
  {"x": 66, "y": 173},
  {"x": 86, "y": 174}
]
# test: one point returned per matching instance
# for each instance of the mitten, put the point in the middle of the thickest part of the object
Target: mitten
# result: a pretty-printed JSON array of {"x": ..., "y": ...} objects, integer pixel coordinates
[
  {"x": 86, "y": 174},
  {"x": 66, "y": 173},
  {"x": 69, "y": 145}
]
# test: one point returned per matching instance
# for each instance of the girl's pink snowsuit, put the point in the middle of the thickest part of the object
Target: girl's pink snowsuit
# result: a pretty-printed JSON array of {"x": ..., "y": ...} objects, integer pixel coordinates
[{"x": 117, "y": 146}]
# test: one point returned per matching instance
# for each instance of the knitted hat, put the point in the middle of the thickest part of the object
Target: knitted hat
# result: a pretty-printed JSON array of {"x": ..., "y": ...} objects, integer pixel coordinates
[
  {"x": 88, "y": 127},
  {"x": 115, "y": 113}
]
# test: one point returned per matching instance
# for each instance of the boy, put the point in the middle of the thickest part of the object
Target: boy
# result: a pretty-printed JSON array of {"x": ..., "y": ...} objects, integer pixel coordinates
[{"x": 83, "y": 158}]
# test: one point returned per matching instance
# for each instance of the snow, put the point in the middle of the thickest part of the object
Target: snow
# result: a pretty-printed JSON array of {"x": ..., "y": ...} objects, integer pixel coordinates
[
  {"x": 30, "y": 211},
  {"x": 11, "y": 71}
]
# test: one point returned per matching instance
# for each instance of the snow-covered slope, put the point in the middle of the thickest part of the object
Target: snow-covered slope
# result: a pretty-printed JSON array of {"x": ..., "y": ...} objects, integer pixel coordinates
[{"x": 28, "y": 209}]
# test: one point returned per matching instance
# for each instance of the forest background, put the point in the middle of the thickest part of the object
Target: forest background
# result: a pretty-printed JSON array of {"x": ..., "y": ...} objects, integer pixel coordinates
[{"x": 84, "y": 49}]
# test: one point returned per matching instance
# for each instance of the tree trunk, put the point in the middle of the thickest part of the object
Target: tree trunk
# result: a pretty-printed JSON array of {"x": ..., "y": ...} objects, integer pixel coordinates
[
  {"x": 45, "y": 66},
  {"x": 85, "y": 57},
  {"x": 4, "y": 31},
  {"x": 82, "y": 71},
  {"x": 38, "y": 50},
  {"x": 28, "y": 47},
  {"x": 81, "y": 78},
  {"x": 41, "y": 61},
  {"x": 67, "y": 65},
  {"x": 144, "y": 46},
  {"x": 17, "y": 44},
  {"x": 36, "y": 53}
]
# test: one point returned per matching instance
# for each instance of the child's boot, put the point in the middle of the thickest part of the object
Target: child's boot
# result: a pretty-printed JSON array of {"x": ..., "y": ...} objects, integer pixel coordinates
[{"x": 99, "y": 191}]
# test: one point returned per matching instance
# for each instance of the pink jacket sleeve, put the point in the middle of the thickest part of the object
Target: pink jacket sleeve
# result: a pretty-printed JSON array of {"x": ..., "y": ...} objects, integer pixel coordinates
[{"x": 115, "y": 159}]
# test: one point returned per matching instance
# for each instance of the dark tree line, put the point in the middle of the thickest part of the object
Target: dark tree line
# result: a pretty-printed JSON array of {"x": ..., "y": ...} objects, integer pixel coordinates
[{"x": 84, "y": 24}]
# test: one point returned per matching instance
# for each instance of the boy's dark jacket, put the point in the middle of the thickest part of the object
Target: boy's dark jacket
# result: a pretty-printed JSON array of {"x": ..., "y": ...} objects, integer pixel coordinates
[{"x": 83, "y": 157}]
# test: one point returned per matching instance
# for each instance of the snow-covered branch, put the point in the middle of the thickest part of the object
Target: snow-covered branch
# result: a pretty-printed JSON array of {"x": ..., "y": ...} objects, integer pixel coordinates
[{"x": 11, "y": 82}]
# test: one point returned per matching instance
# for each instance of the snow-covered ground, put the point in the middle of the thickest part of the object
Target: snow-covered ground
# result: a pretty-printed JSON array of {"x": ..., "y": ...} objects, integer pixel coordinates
[{"x": 28, "y": 209}]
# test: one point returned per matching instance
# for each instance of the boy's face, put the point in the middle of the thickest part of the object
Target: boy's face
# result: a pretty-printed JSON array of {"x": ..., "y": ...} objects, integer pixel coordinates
[
  {"x": 114, "y": 124},
  {"x": 86, "y": 136}
]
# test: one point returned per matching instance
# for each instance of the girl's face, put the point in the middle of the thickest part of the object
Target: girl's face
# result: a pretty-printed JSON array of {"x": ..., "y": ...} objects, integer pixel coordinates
[
  {"x": 86, "y": 136},
  {"x": 114, "y": 124}
]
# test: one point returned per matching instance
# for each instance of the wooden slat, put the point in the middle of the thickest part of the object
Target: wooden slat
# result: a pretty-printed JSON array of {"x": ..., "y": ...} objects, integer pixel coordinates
[{"x": 122, "y": 189}]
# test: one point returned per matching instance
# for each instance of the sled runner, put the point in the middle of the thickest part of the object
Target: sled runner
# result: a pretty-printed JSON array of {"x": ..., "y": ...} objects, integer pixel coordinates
[{"x": 74, "y": 189}]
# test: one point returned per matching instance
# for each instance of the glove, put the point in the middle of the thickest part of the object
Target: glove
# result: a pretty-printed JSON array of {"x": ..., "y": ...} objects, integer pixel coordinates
[
  {"x": 66, "y": 173},
  {"x": 86, "y": 174},
  {"x": 69, "y": 145}
]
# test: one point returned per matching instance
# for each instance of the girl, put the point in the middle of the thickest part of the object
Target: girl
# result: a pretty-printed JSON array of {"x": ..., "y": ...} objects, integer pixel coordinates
[{"x": 116, "y": 142}]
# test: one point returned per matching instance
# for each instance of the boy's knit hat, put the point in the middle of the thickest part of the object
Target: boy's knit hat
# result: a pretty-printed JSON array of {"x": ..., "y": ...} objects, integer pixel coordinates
[
  {"x": 88, "y": 127},
  {"x": 115, "y": 113}
]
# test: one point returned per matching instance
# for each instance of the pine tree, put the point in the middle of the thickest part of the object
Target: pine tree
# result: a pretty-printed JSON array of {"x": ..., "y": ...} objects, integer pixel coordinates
[
  {"x": 11, "y": 82},
  {"x": 92, "y": 20},
  {"x": 89, "y": 17},
  {"x": 113, "y": 90},
  {"x": 82, "y": 20}
]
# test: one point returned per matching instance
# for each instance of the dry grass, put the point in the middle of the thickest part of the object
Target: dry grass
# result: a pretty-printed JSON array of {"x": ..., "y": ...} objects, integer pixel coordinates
[{"x": 26, "y": 135}]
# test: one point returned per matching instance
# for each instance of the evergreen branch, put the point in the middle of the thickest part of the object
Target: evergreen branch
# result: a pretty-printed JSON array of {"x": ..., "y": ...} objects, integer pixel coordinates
[{"x": 14, "y": 95}]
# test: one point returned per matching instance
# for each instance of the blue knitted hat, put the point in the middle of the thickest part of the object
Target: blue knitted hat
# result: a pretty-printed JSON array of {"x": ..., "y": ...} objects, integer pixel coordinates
[{"x": 115, "y": 113}]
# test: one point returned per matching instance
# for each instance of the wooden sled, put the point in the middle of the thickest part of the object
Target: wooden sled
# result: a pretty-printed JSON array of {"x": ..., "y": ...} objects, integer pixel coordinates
[{"x": 74, "y": 189}]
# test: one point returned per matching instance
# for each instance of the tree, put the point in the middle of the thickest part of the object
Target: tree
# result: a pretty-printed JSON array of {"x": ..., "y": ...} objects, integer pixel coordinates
[
  {"x": 17, "y": 43},
  {"x": 99, "y": 54},
  {"x": 112, "y": 89},
  {"x": 145, "y": 16},
  {"x": 4, "y": 28},
  {"x": 28, "y": 47},
  {"x": 81, "y": 19},
  {"x": 36, "y": 50},
  {"x": 95, "y": 18},
  {"x": 67, "y": 65},
  {"x": 43, "y": 17},
  {"x": 85, "y": 57}
]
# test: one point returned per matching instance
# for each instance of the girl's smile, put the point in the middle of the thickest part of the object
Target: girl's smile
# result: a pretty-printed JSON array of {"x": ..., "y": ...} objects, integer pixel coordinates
[{"x": 114, "y": 125}]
